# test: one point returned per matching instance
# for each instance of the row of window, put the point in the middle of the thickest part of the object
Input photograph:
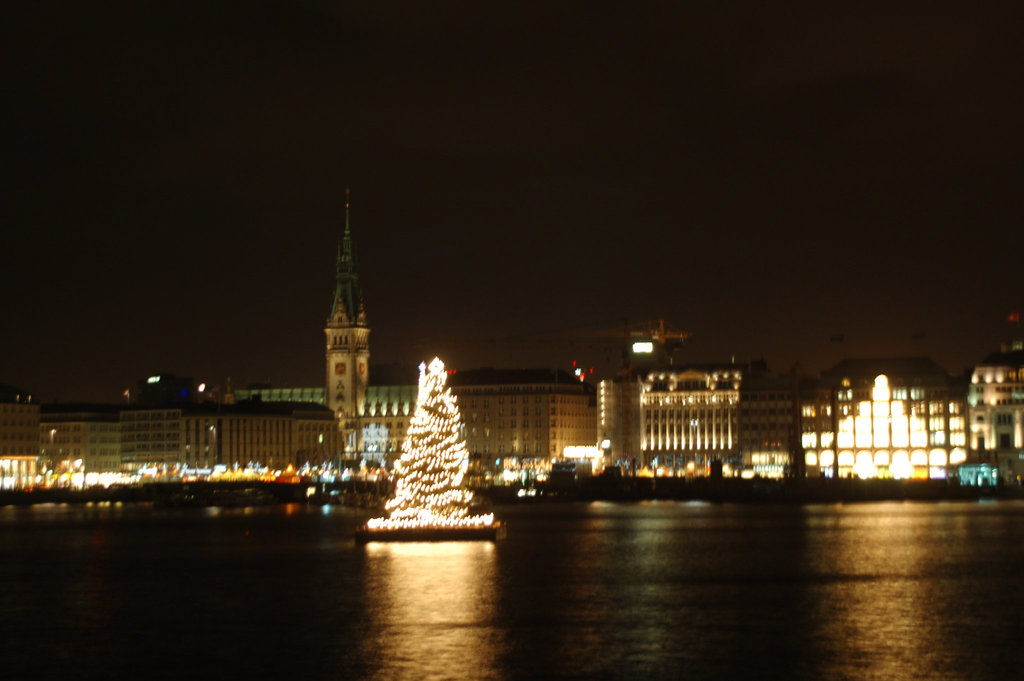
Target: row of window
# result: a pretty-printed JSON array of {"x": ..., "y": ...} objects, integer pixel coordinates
[
  {"x": 898, "y": 394},
  {"x": 20, "y": 423},
  {"x": 514, "y": 449},
  {"x": 149, "y": 415},
  {"x": 763, "y": 411},
  {"x": 25, "y": 450},
  {"x": 1010, "y": 375},
  {"x": 754, "y": 397}
]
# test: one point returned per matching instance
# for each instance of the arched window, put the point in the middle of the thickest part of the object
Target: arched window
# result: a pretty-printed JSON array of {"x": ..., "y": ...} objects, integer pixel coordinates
[{"x": 880, "y": 393}]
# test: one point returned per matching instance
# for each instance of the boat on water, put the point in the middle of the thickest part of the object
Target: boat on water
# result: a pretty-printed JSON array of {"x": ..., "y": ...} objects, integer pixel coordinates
[{"x": 493, "y": 532}]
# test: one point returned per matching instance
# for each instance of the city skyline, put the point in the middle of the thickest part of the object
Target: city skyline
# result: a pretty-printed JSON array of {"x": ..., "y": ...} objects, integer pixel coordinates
[{"x": 523, "y": 181}]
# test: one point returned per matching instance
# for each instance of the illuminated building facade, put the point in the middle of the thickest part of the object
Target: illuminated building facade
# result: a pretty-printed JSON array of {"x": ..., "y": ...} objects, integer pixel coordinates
[
  {"x": 204, "y": 437},
  {"x": 618, "y": 418},
  {"x": 19, "y": 439},
  {"x": 689, "y": 418},
  {"x": 80, "y": 443},
  {"x": 767, "y": 425},
  {"x": 384, "y": 421},
  {"x": 996, "y": 399},
  {"x": 885, "y": 418},
  {"x": 348, "y": 343},
  {"x": 520, "y": 421}
]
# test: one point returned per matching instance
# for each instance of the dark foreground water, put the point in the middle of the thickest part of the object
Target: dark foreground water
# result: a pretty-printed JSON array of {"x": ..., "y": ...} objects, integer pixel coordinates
[{"x": 577, "y": 591}]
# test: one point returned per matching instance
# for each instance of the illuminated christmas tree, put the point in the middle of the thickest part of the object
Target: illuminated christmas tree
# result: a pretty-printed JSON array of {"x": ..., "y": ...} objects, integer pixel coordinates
[{"x": 428, "y": 489}]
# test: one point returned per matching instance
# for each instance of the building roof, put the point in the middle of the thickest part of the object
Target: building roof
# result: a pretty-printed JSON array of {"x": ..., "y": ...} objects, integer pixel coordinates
[
  {"x": 1013, "y": 358},
  {"x": 268, "y": 394},
  {"x": 906, "y": 370},
  {"x": 8, "y": 393},
  {"x": 491, "y": 376},
  {"x": 94, "y": 409},
  {"x": 774, "y": 383},
  {"x": 254, "y": 406},
  {"x": 391, "y": 393},
  {"x": 390, "y": 400}
]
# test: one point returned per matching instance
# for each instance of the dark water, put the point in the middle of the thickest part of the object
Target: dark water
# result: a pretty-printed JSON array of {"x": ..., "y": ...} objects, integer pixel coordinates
[{"x": 617, "y": 591}]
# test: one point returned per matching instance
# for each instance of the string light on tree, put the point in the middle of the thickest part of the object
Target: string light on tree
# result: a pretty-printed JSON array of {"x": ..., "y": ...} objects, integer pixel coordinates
[{"x": 428, "y": 491}]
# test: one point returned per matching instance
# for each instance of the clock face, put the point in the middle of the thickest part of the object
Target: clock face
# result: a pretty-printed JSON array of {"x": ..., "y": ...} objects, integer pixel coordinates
[
  {"x": 362, "y": 368},
  {"x": 339, "y": 369}
]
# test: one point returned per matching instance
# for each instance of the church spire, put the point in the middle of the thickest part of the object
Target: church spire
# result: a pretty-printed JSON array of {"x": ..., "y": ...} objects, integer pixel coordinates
[
  {"x": 347, "y": 307},
  {"x": 348, "y": 341}
]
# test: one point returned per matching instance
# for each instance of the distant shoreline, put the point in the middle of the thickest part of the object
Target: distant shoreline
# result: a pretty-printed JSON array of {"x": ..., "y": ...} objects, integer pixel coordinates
[
  {"x": 627, "y": 489},
  {"x": 764, "y": 491}
]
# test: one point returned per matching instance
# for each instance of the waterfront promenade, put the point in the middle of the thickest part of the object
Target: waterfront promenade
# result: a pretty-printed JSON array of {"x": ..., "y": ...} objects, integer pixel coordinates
[{"x": 371, "y": 494}]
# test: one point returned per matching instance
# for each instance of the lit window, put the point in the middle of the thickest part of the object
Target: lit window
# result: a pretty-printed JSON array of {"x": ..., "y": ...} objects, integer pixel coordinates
[
  {"x": 864, "y": 467},
  {"x": 900, "y": 434},
  {"x": 880, "y": 393},
  {"x": 900, "y": 467},
  {"x": 881, "y": 435},
  {"x": 863, "y": 431}
]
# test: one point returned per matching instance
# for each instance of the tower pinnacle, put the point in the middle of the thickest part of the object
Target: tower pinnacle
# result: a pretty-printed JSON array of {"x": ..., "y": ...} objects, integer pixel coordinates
[
  {"x": 347, "y": 336},
  {"x": 347, "y": 307}
]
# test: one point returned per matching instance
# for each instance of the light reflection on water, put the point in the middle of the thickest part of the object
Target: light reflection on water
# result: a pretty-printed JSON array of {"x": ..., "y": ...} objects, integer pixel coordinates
[
  {"x": 872, "y": 600},
  {"x": 875, "y": 591},
  {"x": 896, "y": 598},
  {"x": 433, "y": 614},
  {"x": 577, "y": 591}
]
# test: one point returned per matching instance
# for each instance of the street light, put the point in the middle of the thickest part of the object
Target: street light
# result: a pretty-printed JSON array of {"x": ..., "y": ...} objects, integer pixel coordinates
[
  {"x": 694, "y": 424},
  {"x": 212, "y": 437}
]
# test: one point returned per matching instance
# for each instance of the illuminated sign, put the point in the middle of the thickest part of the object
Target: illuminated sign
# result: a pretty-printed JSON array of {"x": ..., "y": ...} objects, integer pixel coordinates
[
  {"x": 579, "y": 452},
  {"x": 643, "y": 347}
]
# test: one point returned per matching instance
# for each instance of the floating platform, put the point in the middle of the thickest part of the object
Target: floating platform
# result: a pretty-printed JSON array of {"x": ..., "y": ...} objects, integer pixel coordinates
[{"x": 493, "y": 532}]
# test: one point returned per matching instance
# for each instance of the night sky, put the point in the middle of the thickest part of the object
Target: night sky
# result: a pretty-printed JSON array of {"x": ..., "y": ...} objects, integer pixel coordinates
[{"x": 524, "y": 178}]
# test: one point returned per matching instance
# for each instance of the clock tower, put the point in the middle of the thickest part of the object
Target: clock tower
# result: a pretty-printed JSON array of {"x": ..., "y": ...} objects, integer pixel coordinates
[{"x": 348, "y": 336}]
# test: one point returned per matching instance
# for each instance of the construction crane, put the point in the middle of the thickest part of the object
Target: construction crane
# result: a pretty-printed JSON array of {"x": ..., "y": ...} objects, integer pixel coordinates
[
  {"x": 648, "y": 338},
  {"x": 657, "y": 339},
  {"x": 644, "y": 345},
  {"x": 654, "y": 339}
]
